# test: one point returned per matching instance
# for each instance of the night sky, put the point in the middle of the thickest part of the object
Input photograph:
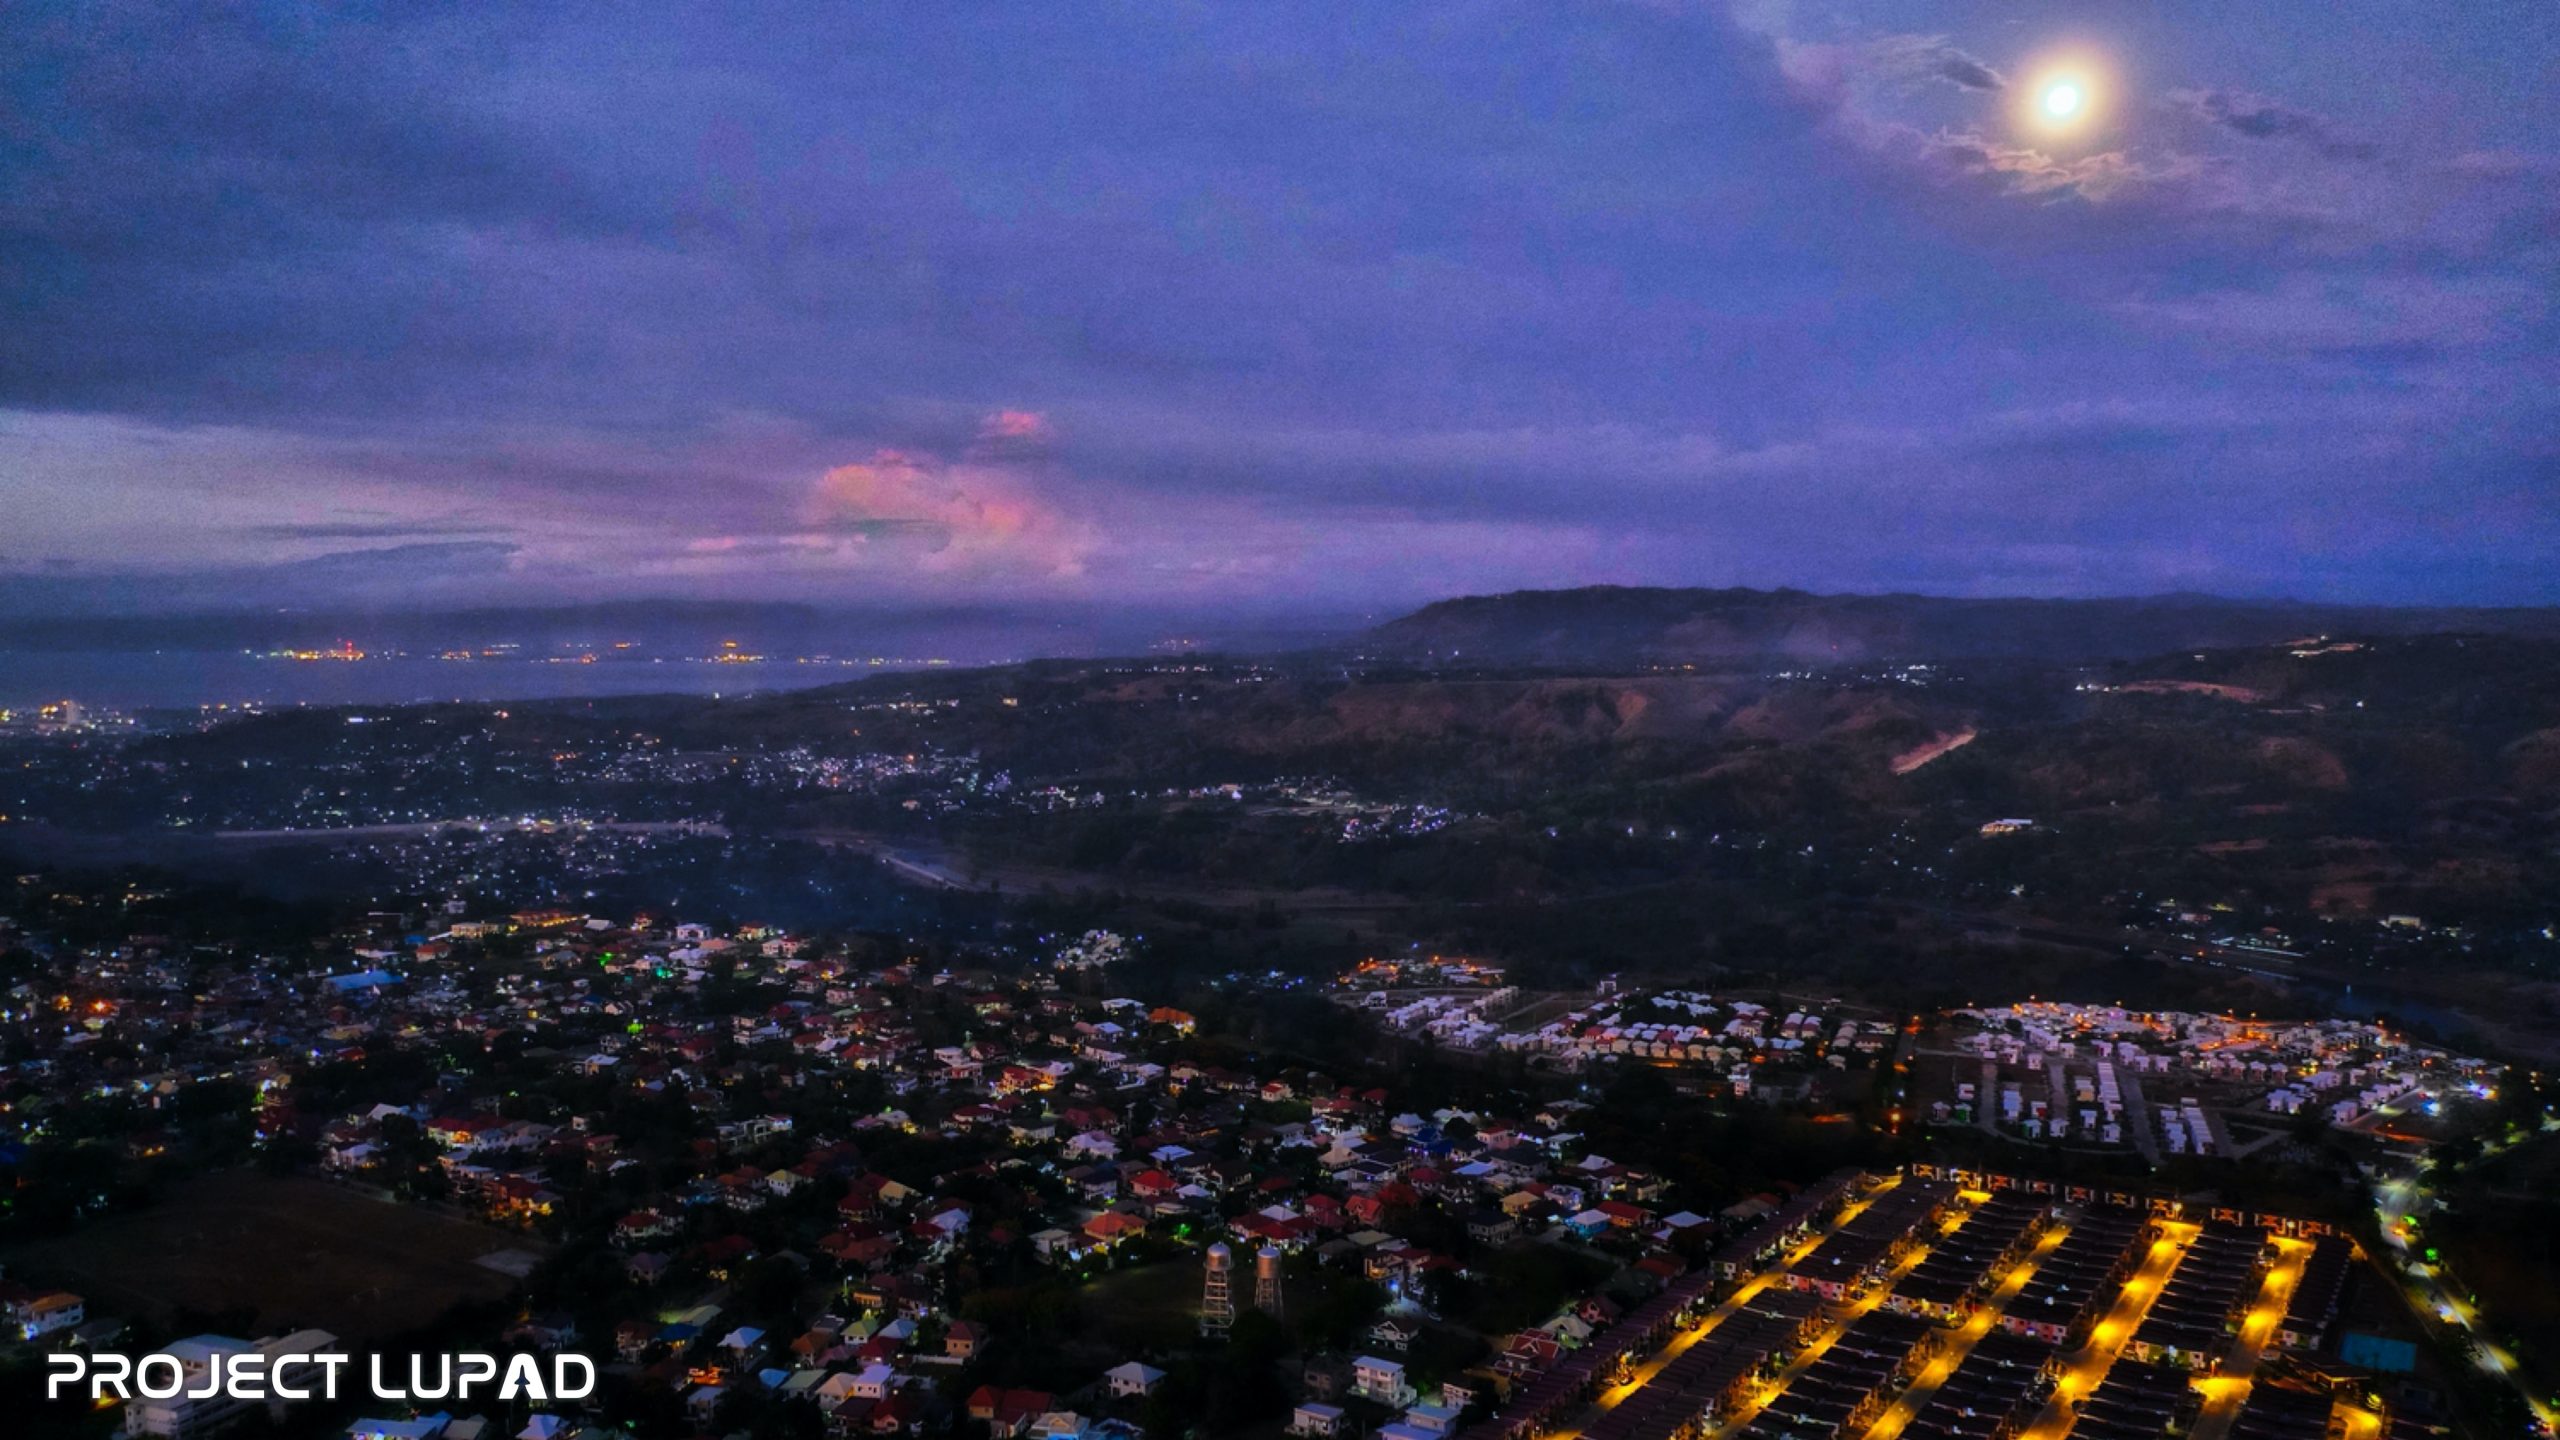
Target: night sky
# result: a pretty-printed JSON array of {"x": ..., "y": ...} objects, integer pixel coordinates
[{"x": 1276, "y": 307}]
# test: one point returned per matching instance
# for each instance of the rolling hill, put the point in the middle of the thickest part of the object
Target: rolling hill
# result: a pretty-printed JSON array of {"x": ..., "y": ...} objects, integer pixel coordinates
[{"x": 1613, "y": 625}]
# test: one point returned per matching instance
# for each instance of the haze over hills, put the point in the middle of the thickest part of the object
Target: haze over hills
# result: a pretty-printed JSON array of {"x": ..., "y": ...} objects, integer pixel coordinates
[
  {"x": 1594, "y": 626},
  {"x": 1615, "y": 625}
]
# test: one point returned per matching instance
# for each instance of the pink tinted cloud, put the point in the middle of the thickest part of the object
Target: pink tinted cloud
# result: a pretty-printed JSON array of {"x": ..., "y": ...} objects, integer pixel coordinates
[
  {"x": 1015, "y": 425},
  {"x": 972, "y": 513},
  {"x": 1013, "y": 435}
]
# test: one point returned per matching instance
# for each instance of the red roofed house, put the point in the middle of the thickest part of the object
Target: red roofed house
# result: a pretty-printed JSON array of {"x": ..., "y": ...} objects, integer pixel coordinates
[
  {"x": 1111, "y": 1227},
  {"x": 1008, "y": 1413}
]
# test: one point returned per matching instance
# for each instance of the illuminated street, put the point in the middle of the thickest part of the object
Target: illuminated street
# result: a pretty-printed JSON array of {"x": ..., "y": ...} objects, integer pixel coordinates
[
  {"x": 1681, "y": 1343},
  {"x": 1842, "y": 1316},
  {"x": 1960, "y": 1344},
  {"x": 2228, "y": 1389},
  {"x": 2083, "y": 1371},
  {"x": 2399, "y": 1204}
]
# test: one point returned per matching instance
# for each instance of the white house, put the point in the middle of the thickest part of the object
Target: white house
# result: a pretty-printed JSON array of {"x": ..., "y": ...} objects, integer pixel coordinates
[
  {"x": 1133, "y": 1379},
  {"x": 202, "y": 1408},
  {"x": 835, "y": 1390},
  {"x": 44, "y": 1314},
  {"x": 1317, "y": 1420},
  {"x": 1380, "y": 1380}
]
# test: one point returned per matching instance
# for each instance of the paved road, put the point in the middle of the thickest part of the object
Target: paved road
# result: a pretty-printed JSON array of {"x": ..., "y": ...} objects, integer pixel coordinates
[
  {"x": 2228, "y": 1390},
  {"x": 2139, "y": 1127},
  {"x": 325, "y": 833},
  {"x": 1922, "y": 1389},
  {"x": 926, "y": 866},
  {"x": 1678, "y": 1345},
  {"x": 2427, "y": 1287},
  {"x": 1843, "y": 1316},
  {"x": 2087, "y": 1366}
]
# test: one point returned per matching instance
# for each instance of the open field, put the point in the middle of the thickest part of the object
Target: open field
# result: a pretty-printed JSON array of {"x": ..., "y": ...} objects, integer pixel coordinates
[
  {"x": 300, "y": 1252},
  {"x": 1152, "y": 1307}
]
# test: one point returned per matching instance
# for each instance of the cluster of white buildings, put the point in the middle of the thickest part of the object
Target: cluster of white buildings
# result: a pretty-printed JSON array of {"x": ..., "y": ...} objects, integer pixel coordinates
[
  {"x": 1694, "y": 1027},
  {"x": 2328, "y": 1087},
  {"x": 1456, "y": 1021},
  {"x": 2186, "y": 1130},
  {"x": 2281, "y": 1066},
  {"x": 2099, "y": 1108},
  {"x": 1093, "y": 950}
]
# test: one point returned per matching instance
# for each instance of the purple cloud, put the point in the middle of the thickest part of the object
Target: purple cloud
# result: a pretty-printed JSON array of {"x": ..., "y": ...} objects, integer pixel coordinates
[
  {"x": 2260, "y": 118},
  {"x": 1257, "y": 303}
]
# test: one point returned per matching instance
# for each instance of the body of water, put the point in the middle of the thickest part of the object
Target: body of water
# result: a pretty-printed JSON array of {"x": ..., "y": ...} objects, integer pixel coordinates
[{"x": 185, "y": 680}]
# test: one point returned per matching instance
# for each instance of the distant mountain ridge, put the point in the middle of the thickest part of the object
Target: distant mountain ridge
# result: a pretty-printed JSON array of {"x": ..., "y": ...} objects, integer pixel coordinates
[{"x": 1608, "y": 624}]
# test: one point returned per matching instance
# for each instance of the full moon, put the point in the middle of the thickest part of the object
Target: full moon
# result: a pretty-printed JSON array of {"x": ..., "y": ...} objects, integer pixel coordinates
[{"x": 2064, "y": 94}]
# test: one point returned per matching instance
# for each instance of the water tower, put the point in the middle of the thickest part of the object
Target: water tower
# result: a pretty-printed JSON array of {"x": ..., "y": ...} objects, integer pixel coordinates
[
  {"x": 1266, "y": 1282},
  {"x": 1217, "y": 1293}
]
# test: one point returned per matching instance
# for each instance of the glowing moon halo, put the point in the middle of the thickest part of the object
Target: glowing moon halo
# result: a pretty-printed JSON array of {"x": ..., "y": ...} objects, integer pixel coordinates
[{"x": 2065, "y": 95}]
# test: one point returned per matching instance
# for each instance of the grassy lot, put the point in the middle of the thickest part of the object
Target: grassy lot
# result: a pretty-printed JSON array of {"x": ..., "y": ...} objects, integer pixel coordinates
[
  {"x": 1151, "y": 1307},
  {"x": 298, "y": 1252}
]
